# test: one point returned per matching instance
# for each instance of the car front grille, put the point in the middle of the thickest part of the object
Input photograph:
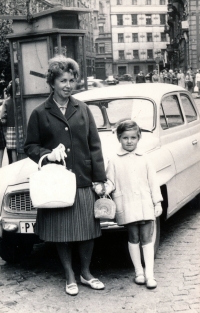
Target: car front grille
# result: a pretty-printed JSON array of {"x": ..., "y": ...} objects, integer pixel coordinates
[{"x": 21, "y": 202}]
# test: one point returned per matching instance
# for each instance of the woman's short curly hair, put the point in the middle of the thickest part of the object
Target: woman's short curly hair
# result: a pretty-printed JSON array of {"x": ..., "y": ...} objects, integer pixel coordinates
[
  {"x": 59, "y": 65},
  {"x": 126, "y": 125}
]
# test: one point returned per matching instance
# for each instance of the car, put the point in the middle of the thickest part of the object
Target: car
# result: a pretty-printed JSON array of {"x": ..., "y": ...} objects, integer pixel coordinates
[
  {"x": 170, "y": 123},
  {"x": 126, "y": 77},
  {"x": 111, "y": 80}
]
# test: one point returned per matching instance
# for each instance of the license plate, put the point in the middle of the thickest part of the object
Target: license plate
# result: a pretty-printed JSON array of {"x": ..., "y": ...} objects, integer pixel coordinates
[{"x": 27, "y": 227}]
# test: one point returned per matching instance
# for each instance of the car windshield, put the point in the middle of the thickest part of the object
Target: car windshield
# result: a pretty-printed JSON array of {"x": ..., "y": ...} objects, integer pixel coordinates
[{"x": 139, "y": 110}]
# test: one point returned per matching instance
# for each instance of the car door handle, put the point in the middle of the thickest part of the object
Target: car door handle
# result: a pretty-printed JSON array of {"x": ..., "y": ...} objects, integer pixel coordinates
[{"x": 194, "y": 142}]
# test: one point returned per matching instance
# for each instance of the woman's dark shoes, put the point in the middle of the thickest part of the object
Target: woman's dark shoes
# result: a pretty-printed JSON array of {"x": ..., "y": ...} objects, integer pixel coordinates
[
  {"x": 94, "y": 283},
  {"x": 72, "y": 289}
]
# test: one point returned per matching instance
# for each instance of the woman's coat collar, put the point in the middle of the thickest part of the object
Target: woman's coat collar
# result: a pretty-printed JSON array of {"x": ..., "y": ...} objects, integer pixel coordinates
[{"x": 54, "y": 110}]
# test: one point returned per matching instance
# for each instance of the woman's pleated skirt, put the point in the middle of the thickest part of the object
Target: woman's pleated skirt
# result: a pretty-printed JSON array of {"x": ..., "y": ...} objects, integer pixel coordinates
[{"x": 76, "y": 223}]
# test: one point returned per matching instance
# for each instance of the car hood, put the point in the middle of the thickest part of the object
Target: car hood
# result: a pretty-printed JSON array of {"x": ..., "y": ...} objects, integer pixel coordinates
[{"x": 18, "y": 172}]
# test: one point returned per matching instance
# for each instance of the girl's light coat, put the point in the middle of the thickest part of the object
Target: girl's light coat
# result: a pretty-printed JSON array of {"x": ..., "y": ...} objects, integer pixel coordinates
[{"x": 133, "y": 181}]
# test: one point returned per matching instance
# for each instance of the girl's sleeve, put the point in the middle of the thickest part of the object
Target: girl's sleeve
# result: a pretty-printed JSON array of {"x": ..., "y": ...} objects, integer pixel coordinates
[
  {"x": 110, "y": 173},
  {"x": 153, "y": 183}
]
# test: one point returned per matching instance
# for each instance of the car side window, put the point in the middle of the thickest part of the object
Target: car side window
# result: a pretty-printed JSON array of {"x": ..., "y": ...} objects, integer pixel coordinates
[
  {"x": 170, "y": 112},
  {"x": 190, "y": 113},
  {"x": 96, "y": 112}
]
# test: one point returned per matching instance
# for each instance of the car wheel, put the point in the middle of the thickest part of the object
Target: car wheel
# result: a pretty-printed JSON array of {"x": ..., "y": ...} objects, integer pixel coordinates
[
  {"x": 13, "y": 253},
  {"x": 155, "y": 238}
]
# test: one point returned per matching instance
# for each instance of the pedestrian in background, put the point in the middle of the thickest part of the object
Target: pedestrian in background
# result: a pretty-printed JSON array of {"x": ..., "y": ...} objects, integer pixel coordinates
[
  {"x": 62, "y": 119},
  {"x": 2, "y": 137},
  {"x": 132, "y": 180},
  {"x": 8, "y": 116},
  {"x": 181, "y": 78},
  {"x": 189, "y": 82},
  {"x": 140, "y": 78},
  {"x": 155, "y": 77},
  {"x": 161, "y": 77},
  {"x": 197, "y": 79}
]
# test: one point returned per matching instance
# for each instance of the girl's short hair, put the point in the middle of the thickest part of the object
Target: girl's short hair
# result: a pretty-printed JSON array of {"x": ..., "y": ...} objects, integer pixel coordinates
[
  {"x": 127, "y": 125},
  {"x": 59, "y": 65}
]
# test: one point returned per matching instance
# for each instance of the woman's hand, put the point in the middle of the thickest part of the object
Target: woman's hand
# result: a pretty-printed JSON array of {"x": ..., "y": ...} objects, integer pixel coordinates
[
  {"x": 158, "y": 209},
  {"x": 57, "y": 154},
  {"x": 99, "y": 188}
]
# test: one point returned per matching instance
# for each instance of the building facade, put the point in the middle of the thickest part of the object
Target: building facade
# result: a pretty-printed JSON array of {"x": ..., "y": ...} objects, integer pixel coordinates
[
  {"x": 138, "y": 35},
  {"x": 184, "y": 32},
  {"x": 103, "y": 39}
]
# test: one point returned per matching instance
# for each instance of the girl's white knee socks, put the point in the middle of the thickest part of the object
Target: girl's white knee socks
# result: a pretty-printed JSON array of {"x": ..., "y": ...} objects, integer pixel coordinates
[
  {"x": 134, "y": 250},
  {"x": 148, "y": 251}
]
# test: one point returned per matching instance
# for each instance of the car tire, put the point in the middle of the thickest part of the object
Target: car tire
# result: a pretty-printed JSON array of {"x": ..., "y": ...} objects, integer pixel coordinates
[
  {"x": 155, "y": 238},
  {"x": 13, "y": 253}
]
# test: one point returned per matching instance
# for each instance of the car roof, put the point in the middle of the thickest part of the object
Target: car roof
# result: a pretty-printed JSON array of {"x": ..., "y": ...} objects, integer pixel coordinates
[{"x": 153, "y": 91}]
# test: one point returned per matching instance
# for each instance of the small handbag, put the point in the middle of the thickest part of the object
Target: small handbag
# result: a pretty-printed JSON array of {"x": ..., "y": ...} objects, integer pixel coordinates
[
  {"x": 52, "y": 186},
  {"x": 105, "y": 208}
]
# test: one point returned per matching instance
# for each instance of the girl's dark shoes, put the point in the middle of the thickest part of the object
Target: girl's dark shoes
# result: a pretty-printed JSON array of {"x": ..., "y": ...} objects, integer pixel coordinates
[
  {"x": 72, "y": 289},
  {"x": 94, "y": 283}
]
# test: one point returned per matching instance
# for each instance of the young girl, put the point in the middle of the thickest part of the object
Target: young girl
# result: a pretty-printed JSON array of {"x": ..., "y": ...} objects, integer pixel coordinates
[{"x": 136, "y": 192}]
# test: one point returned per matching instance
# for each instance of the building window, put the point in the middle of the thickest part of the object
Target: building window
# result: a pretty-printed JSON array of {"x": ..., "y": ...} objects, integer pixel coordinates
[
  {"x": 101, "y": 29},
  {"x": 162, "y": 2},
  {"x": 134, "y": 19},
  {"x": 102, "y": 48},
  {"x": 150, "y": 54},
  {"x": 120, "y": 37},
  {"x": 135, "y": 37},
  {"x": 97, "y": 48},
  {"x": 163, "y": 37},
  {"x": 121, "y": 55},
  {"x": 148, "y": 2},
  {"x": 135, "y": 54},
  {"x": 149, "y": 37},
  {"x": 119, "y": 2},
  {"x": 119, "y": 19},
  {"x": 134, "y": 2},
  {"x": 163, "y": 51},
  {"x": 162, "y": 19},
  {"x": 150, "y": 68},
  {"x": 136, "y": 69},
  {"x": 148, "y": 19}
]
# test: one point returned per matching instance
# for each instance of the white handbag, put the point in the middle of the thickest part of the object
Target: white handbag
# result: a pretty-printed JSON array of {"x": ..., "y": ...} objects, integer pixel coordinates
[{"x": 52, "y": 186}]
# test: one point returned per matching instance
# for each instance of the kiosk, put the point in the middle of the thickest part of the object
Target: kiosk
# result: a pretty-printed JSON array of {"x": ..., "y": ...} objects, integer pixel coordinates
[{"x": 33, "y": 42}]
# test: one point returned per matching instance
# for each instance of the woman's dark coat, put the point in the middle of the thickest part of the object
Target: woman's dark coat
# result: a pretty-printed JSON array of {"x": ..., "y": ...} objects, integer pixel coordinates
[{"x": 48, "y": 127}]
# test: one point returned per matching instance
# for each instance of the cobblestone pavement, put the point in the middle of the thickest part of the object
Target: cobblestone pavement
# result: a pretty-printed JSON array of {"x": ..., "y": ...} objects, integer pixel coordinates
[{"x": 37, "y": 284}]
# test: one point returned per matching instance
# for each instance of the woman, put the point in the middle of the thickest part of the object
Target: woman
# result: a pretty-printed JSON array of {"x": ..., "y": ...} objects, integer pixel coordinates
[
  {"x": 181, "y": 79},
  {"x": 8, "y": 114},
  {"x": 64, "y": 121},
  {"x": 189, "y": 82}
]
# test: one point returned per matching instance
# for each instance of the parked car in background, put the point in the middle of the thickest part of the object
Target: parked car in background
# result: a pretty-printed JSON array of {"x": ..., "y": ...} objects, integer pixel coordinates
[
  {"x": 170, "y": 124},
  {"x": 111, "y": 80},
  {"x": 126, "y": 77}
]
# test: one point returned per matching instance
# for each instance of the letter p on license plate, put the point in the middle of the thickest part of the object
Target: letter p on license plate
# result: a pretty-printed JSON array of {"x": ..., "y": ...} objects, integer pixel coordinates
[{"x": 27, "y": 227}]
